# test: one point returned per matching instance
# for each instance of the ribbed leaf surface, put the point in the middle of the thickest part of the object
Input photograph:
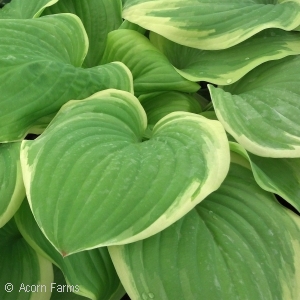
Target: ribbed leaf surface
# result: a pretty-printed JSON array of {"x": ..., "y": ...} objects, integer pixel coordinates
[
  {"x": 91, "y": 273},
  {"x": 12, "y": 190},
  {"x": 277, "y": 175},
  {"x": 24, "y": 275},
  {"x": 151, "y": 70},
  {"x": 57, "y": 294},
  {"x": 261, "y": 111},
  {"x": 238, "y": 243},
  {"x": 227, "y": 66},
  {"x": 40, "y": 70},
  {"x": 20, "y": 9},
  {"x": 158, "y": 105},
  {"x": 98, "y": 18},
  {"x": 214, "y": 24},
  {"x": 91, "y": 159}
]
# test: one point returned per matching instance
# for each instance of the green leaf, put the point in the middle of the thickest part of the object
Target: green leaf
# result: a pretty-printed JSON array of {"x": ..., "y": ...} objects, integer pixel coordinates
[
  {"x": 128, "y": 25},
  {"x": 20, "y": 9},
  {"x": 237, "y": 244},
  {"x": 89, "y": 273},
  {"x": 209, "y": 115},
  {"x": 12, "y": 191},
  {"x": 261, "y": 111},
  {"x": 277, "y": 175},
  {"x": 94, "y": 162},
  {"x": 40, "y": 70},
  {"x": 99, "y": 17},
  {"x": 22, "y": 269},
  {"x": 57, "y": 294},
  {"x": 158, "y": 105},
  {"x": 227, "y": 66},
  {"x": 212, "y": 25},
  {"x": 151, "y": 70}
]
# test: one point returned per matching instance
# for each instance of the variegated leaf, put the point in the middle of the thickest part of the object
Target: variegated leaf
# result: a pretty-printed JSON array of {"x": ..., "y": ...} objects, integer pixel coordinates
[
  {"x": 151, "y": 70},
  {"x": 212, "y": 25},
  {"x": 238, "y": 243},
  {"x": 277, "y": 175},
  {"x": 40, "y": 70},
  {"x": 99, "y": 17},
  {"x": 89, "y": 273},
  {"x": 225, "y": 67},
  {"x": 25, "y": 275},
  {"x": 94, "y": 162},
  {"x": 12, "y": 191},
  {"x": 261, "y": 111}
]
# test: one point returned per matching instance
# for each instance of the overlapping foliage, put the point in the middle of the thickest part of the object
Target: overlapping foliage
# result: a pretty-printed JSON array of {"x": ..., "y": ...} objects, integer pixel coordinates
[{"x": 139, "y": 181}]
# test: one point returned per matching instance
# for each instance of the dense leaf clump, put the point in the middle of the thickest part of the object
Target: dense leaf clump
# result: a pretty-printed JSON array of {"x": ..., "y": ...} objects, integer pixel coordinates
[{"x": 143, "y": 144}]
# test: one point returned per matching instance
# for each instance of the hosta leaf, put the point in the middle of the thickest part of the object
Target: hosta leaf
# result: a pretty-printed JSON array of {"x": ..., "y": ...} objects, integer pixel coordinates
[
  {"x": 151, "y": 70},
  {"x": 158, "y": 105},
  {"x": 60, "y": 38},
  {"x": 211, "y": 25},
  {"x": 128, "y": 25},
  {"x": 57, "y": 294},
  {"x": 237, "y": 244},
  {"x": 39, "y": 71},
  {"x": 277, "y": 175},
  {"x": 201, "y": 100},
  {"x": 22, "y": 269},
  {"x": 12, "y": 190},
  {"x": 99, "y": 17},
  {"x": 229, "y": 65},
  {"x": 94, "y": 162},
  {"x": 20, "y": 9},
  {"x": 89, "y": 273},
  {"x": 261, "y": 111},
  {"x": 209, "y": 115}
]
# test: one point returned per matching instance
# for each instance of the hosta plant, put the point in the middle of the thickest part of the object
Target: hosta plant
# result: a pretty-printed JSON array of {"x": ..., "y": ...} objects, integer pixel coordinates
[{"x": 150, "y": 149}]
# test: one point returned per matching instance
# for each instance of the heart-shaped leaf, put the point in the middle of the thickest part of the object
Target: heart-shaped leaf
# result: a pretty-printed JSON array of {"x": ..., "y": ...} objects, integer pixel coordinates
[
  {"x": 261, "y": 111},
  {"x": 238, "y": 243},
  {"x": 227, "y": 66},
  {"x": 91, "y": 181},
  {"x": 25, "y": 275},
  {"x": 12, "y": 190},
  {"x": 40, "y": 70},
  {"x": 151, "y": 70},
  {"x": 212, "y": 25},
  {"x": 91, "y": 273},
  {"x": 99, "y": 17}
]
